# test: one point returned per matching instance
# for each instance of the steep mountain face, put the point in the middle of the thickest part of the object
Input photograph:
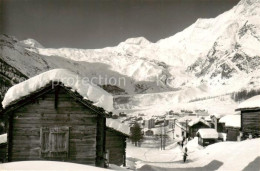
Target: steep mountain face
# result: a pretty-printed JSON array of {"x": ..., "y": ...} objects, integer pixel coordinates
[
  {"x": 211, "y": 57},
  {"x": 8, "y": 75},
  {"x": 236, "y": 49},
  {"x": 127, "y": 75}
]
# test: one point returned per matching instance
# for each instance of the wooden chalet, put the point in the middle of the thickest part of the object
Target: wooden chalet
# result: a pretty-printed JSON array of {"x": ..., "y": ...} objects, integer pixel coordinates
[
  {"x": 231, "y": 127},
  {"x": 55, "y": 123},
  {"x": 195, "y": 125},
  {"x": 250, "y": 117},
  {"x": 207, "y": 136},
  {"x": 215, "y": 122}
]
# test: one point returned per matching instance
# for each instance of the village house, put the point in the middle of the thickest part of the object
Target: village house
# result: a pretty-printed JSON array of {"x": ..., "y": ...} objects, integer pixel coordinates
[
  {"x": 207, "y": 136},
  {"x": 179, "y": 131},
  {"x": 250, "y": 117},
  {"x": 183, "y": 121},
  {"x": 150, "y": 123},
  {"x": 51, "y": 119},
  {"x": 195, "y": 125},
  {"x": 215, "y": 122},
  {"x": 231, "y": 127}
]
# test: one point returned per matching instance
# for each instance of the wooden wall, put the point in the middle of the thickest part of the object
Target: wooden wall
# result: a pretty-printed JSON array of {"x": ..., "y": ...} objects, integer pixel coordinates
[
  {"x": 3, "y": 148},
  {"x": 205, "y": 142},
  {"x": 25, "y": 142},
  {"x": 250, "y": 122},
  {"x": 116, "y": 144},
  {"x": 232, "y": 133}
]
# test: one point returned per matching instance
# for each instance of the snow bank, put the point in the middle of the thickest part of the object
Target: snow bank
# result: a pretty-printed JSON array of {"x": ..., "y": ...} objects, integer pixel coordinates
[
  {"x": 87, "y": 90},
  {"x": 117, "y": 125},
  {"x": 231, "y": 121},
  {"x": 193, "y": 145},
  {"x": 47, "y": 165},
  {"x": 208, "y": 133},
  {"x": 253, "y": 102},
  {"x": 3, "y": 138},
  {"x": 197, "y": 120}
]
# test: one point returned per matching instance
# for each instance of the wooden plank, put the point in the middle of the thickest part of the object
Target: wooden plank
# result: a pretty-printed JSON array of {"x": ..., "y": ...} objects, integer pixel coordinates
[
  {"x": 64, "y": 110},
  {"x": 50, "y": 121},
  {"x": 54, "y": 114},
  {"x": 26, "y": 142},
  {"x": 26, "y": 138}
]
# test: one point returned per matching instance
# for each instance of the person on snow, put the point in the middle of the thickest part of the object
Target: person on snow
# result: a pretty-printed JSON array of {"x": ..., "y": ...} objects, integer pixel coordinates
[
  {"x": 185, "y": 154},
  {"x": 182, "y": 142}
]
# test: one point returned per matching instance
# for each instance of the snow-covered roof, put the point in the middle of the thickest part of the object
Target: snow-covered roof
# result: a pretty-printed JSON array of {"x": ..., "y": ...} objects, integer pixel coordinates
[
  {"x": 197, "y": 120},
  {"x": 231, "y": 121},
  {"x": 208, "y": 133},
  {"x": 217, "y": 115},
  {"x": 88, "y": 91},
  {"x": 118, "y": 126},
  {"x": 208, "y": 118},
  {"x": 253, "y": 102},
  {"x": 188, "y": 118},
  {"x": 179, "y": 125},
  {"x": 3, "y": 138}
]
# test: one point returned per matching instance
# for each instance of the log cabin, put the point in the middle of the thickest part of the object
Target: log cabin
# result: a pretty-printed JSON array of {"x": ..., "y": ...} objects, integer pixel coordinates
[
  {"x": 195, "y": 125},
  {"x": 250, "y": 117},
  {"x": 215, "y": 122},
  {"x": 231, "y": 127},
  {"x": 52, "y": 120},
  {"x": 207, "y": 136}
]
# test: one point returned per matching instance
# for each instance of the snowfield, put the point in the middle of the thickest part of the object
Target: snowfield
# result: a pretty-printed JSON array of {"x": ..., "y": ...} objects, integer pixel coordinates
[
  {"x": 47, "y": 166},
  {"x": 224, "y": 156}
]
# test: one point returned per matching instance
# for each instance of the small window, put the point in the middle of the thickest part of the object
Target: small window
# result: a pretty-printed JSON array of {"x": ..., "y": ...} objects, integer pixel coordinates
[{"x": 55, "y": 142}]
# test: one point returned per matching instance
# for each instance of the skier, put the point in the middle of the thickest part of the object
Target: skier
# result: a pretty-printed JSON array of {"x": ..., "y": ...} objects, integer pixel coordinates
[{"x": 185, "y": 154}]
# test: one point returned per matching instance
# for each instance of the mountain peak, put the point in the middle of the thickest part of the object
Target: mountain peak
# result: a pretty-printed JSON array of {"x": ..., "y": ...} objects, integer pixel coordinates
[
  {"x": 31, "y": 43},
  {"x": 137, "y": 41},
  {"x": 248, "y": 2},
  {"x": 248, "y": 7}
]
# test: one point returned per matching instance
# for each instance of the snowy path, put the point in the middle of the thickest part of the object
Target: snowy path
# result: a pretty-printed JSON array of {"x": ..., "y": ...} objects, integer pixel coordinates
[{"x": 244, "y": 155}]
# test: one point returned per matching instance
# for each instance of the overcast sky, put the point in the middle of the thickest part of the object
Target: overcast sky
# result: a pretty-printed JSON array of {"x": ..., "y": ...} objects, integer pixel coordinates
[{"x": 100, "y": 23}]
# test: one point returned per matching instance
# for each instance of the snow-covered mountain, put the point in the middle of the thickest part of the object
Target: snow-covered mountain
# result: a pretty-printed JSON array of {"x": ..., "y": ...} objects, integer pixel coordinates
[{"x": 211, "y": 57}]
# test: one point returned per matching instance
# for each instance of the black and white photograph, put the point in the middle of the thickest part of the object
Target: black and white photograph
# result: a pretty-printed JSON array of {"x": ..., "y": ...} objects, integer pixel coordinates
[{"x": 130, "y": 85}]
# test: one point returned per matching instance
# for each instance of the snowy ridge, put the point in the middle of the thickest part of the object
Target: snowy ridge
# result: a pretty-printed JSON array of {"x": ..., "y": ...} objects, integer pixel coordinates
[
  {"x": 88, "y": 91},
  {"x": 31, "y": 43}
]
